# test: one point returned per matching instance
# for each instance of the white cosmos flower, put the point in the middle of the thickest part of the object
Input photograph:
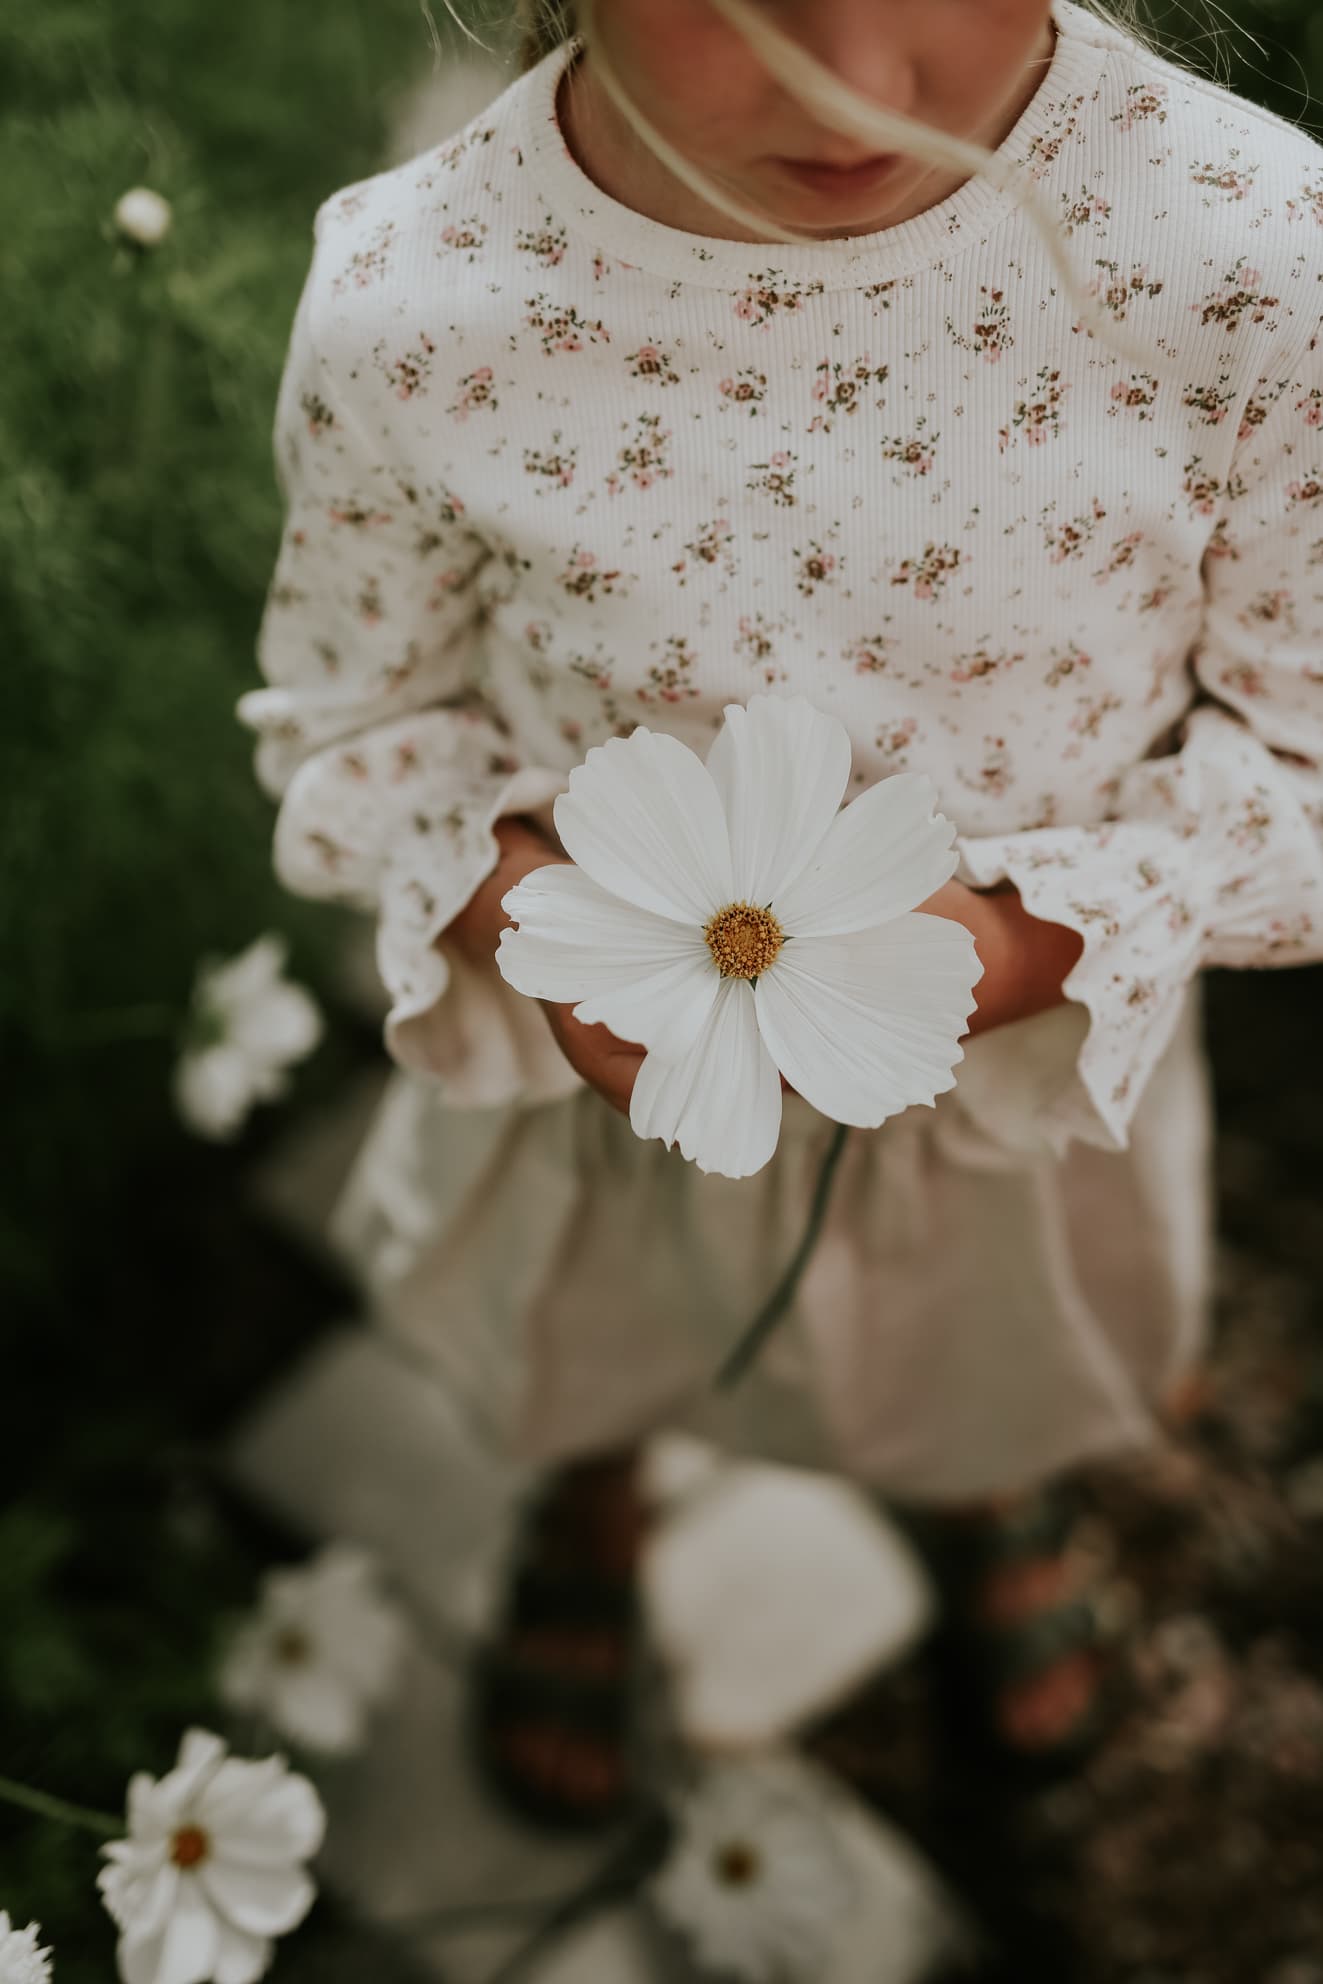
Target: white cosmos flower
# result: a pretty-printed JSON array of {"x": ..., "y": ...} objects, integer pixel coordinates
[
  {"x": 212, "y": 1869},
  {"x": 321, "y": 1650},
  {"x": 732, "y": 920},
  {"x": 21, "y": 1962},
  {"x": 757, "y": 1882},
  {"x": 249, "y": 1023}
]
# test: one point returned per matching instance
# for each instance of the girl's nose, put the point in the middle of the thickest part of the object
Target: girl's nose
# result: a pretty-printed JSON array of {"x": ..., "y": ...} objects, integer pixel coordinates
[{"x": 853, "y": 39}]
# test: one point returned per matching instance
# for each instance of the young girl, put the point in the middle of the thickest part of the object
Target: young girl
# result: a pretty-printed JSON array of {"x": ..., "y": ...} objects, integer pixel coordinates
[{"x": 675, "y": 379}]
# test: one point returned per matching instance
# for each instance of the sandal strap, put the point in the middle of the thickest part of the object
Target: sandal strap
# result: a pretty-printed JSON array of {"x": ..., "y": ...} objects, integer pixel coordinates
[
  {"x": 512, "y": 1690},
  {"x": 572, "y": 1596},
  {"x": 962, "y": 1549},
  {"x": 1033, "y": 1644},
  {"x": 1041, "y": 1528}
]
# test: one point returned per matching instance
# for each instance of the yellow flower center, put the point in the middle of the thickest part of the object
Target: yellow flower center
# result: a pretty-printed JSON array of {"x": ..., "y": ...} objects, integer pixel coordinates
[
  {"x": 737, "y": 1864},
  {"x": 292, "y": 1646},
  {"x": 743, "y": 940},
  {"x": 189, "y": 1845}
]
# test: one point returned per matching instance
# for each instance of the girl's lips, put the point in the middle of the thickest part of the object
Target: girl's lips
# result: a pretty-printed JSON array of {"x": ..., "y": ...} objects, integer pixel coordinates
[{"x": 836, "y": 178}]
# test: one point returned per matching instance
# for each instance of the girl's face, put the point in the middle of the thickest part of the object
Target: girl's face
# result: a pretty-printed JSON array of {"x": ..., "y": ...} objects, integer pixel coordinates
[{"x": 967, "y": 67}]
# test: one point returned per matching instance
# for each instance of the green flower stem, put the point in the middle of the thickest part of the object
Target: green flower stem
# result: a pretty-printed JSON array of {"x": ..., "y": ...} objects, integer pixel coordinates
[
  {"x": 41, "y": 1802},
  {"x": 626, "y": 1867},
  {"x": 780, "y": 1299}
]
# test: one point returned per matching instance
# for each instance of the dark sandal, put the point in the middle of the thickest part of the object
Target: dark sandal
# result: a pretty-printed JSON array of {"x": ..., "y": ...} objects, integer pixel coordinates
[
  {"x": 1032, "y": 1676},
  {"x": 552, "y": 1688}
]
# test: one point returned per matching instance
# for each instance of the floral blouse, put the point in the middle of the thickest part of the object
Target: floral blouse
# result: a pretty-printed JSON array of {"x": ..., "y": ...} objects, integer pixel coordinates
[{"x": 553, "y": 470}]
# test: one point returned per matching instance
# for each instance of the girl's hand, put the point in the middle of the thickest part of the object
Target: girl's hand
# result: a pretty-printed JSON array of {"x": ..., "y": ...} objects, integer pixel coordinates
[
  {"x": 607, "y": 1064},
  {"x": 477, "y": 929},
  {"x": 1024, "y": 959}
]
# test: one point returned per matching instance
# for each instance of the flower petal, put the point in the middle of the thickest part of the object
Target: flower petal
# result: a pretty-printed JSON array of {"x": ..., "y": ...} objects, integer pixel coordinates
[
  {"x": 283, "y": 1025},
  {"x": 883, "y": 855},
  {"x": 184, "y": 1952},
  {"x": 201, "y": 1754},
  {"x": 866, "y": 1025},
  {"x": 722, "y": 1102},
  {"x": 783, "y": 1920},
  {"x": 261, "y": 1814},
  {"x": 139, "y": 1891},
  {"x": 666, "y": 1012},
  {"x": 151, "y": 1815},
  {"x": 235, "y": 983},
  {"x": 312, "y": 1706},
  {"x": 139, "y": 1962},
  {"x": 643, "y": 818},
  {"x": 781, "y": 767},
  {"x": 213, "y": 1090},
  {"x": 262, "y": 1901},
  {"x": 241, "y": 1959},
  {"x": 650, "y": 980},
  {"x": 578, "y": 933}
]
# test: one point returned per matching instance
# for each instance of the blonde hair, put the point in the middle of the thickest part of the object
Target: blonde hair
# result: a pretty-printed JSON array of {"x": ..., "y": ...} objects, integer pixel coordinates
[{"x": 543, "y": 25}]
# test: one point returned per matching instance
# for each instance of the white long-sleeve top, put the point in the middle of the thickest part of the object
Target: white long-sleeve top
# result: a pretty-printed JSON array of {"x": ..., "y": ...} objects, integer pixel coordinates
[{"x": 554, "y": 469}]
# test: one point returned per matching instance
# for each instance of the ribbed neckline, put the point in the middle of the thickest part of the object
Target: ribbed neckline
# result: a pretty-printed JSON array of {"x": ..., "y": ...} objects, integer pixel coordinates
[{"x": 1082, "y": 42}]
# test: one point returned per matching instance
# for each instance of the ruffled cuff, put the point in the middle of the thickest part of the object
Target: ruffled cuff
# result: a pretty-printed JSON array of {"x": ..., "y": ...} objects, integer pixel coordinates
[
  {"x": 398, "y": 819},
  {"x": 451, "y": 1019},
  {"x": 1133, "y": 893}
]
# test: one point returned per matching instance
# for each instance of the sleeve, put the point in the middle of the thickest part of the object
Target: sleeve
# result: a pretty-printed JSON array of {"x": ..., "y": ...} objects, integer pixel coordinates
[
  {"x": 374, "y": 736},
  {"x": 1213, "y": 854}
]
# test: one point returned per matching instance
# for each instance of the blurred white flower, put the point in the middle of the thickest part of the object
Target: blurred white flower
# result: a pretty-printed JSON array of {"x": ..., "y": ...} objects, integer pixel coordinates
[
  {"x": 212, "y": 1868},
  {"x": 321, "y": 1650},
  {"x": 21, "y": 1962},
  {"x": 757, "y": 1882},
  {"x": 247, "y": 1024},
  {"x": 144, "y": 216},
  {"x": 732, "y": 920}
]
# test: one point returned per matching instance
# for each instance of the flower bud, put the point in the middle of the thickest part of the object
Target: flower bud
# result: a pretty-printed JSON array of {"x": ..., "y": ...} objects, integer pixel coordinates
[{"x": 143, "y": 216}]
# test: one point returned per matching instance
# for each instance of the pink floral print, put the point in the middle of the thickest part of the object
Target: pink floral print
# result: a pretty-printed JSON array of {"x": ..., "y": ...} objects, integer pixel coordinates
[
  {"x": 776, "y": 477},
  {"x": 989, "y": 336},
  {"x": 474, "y": 392},
  {"x": 838, "y": 389},
  {"x": 653, "y": 365},
  {"x": 1240, "y": 297},
  {"x": 927, "y": 574},
  {"x": 1037, "y": 419},
  {"x": 644, "y": 459},
  {"x": 408, "y": 372},
  {"x": 596, "y": 474},
  {"x": 747, "y": 388}
]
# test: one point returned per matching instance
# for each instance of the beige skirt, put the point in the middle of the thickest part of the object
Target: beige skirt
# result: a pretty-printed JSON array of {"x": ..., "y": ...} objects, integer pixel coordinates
[{"x": 977, "y": 1313}]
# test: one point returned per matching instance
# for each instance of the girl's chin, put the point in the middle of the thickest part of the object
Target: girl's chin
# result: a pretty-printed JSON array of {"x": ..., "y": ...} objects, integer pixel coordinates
[
  {"x": 835, "y": 207},
  {"x": 813, "y": 219}
]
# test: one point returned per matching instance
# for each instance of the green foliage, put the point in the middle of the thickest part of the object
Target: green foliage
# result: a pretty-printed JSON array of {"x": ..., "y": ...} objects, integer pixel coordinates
[
  {"x": 1270, "y": 51},
  {"x": 138, "y": 532},
  {"x": 141, "y": 1302}
]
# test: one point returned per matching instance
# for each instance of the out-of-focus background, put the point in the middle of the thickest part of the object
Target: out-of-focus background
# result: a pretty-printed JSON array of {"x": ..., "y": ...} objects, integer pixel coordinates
[{"x": 184, "y": 1370}]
